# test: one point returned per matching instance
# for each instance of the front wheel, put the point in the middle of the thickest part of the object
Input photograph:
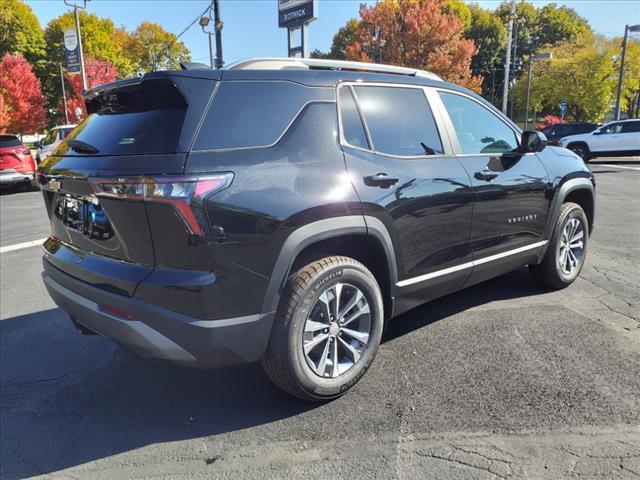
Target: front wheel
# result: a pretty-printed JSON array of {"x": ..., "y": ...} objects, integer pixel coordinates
[
  {"x": 581, "y": 149},
  {"x": 327, "y": 329},
  {"x": 566, "y": 251}
]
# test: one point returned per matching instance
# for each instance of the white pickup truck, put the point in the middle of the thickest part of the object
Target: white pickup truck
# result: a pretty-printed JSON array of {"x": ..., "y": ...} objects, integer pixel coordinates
[{"x": 615, "y": 139}]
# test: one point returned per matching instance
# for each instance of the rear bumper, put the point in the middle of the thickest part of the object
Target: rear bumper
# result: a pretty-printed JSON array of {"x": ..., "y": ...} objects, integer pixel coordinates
[
  {"x": 11, "y": 177},
  {"x": 154, "y": 332}
]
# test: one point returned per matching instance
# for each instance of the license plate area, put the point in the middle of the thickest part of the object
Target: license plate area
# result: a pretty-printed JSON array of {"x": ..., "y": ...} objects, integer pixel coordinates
[{"x": 84, "y": 216}]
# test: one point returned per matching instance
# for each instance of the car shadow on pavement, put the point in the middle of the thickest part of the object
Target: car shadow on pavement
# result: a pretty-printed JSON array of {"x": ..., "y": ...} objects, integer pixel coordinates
[{"x": 68, "y": 399}]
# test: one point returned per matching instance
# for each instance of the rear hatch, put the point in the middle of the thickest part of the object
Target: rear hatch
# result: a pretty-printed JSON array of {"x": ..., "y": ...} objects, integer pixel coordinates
[
  {"x": 14, "y": 155},
  {"x": 130, "y": 149}
]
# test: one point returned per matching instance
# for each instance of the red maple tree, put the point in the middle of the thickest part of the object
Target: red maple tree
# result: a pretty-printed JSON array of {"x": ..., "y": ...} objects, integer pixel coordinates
[
  {"x": 21, "y": 100},
  {"x": 416, "y": 34},
  {"x": 97, "y": 72}
]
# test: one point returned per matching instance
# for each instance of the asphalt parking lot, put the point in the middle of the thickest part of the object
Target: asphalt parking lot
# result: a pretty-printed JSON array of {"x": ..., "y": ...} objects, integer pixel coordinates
[{"x": 502, "y": 380}]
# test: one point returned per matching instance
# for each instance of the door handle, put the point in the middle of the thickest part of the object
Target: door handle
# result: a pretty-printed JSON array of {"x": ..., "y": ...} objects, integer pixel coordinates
[
  {"x": 487, "y": 175},
  {"x": 381, "y": 180}
]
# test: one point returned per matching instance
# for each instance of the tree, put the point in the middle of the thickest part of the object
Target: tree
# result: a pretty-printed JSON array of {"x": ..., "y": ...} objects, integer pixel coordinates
[
  {"x": 558, "y": 24},
  {"x": 21, "y": 101},
  {"x": 417, "y": 34},
  {"x": 344, "y": 37},
  {"x": 20, "y": 32},
  {"x": 490, "y": 36},
  {"x": 580, "y": 72},
  {"x": 97, "y": 72},
  {"x": 150, "y": 47},
  {"x": 630, "y": 97}
]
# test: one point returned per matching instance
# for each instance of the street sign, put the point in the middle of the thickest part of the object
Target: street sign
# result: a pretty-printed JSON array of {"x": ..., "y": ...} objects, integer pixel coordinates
[
  {"x": 72, "y": 51},
  {"x": 563, "y": 107},
  {"x": 295, "y": 13}
]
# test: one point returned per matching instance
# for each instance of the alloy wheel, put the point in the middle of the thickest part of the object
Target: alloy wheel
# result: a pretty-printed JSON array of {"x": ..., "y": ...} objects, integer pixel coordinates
[
  {"x": 571, "y": 247},
  {"x": 336, "y": 331}
]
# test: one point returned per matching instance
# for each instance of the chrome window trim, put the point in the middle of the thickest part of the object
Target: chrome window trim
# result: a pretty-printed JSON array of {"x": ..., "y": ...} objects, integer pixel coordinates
[
  {"x": 343, "y": 141},
  {"x": 454, "y": 140},
  {"x": 467, "y": 265}
]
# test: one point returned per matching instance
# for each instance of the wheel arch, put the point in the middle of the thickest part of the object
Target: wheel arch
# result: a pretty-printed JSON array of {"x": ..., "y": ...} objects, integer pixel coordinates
[
  {"x": 363, "y": 238},
  {"x": 580, "y": 190}
]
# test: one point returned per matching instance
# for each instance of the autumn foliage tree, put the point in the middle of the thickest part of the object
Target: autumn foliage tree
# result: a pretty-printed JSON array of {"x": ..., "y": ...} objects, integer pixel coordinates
[
  {"x": 416, "y": 33},
  {"x": 21, "y": 101},
  {"x": 97, "y": 72}
]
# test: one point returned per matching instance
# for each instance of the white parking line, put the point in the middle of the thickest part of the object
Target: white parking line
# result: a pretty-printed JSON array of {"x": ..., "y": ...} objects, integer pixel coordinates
[
  {"x": 20, "y": 246},
  {"x": 610, "y": 165}
]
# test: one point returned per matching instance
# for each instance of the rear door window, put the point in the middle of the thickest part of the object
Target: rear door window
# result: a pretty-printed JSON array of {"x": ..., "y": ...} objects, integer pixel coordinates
[
  {"x": 250, "y": 114},
  {"x": 399, "y": 120},
  {"x": 631, "y": 127},
  {"x": 7, "y": 141}
]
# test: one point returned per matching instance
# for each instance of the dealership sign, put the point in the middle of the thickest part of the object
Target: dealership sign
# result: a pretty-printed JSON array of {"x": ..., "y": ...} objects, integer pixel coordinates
[
  {"x": 294, "y": 13},
  {"x": 72, "y": 50}
]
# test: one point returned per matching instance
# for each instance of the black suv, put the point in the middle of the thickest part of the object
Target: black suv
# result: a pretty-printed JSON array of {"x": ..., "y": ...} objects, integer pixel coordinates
[
  {"x": 560, "y": 130},
  {"x": 282, "y": 210}
]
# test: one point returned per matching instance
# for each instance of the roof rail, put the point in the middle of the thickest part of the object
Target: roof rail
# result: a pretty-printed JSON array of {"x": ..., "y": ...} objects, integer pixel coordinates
[{"x": 283, "y": 63}]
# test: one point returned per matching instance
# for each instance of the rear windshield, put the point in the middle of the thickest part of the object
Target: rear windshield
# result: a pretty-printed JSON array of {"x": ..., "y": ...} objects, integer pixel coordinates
[
  {"x": 7, "y": 141},
  {"x": 138, "y": 119}
]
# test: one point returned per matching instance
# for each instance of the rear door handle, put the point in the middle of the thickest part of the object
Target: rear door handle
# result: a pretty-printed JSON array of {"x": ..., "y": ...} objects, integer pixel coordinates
[
  {"x": 487, "y": 175},
  {"x": 381, "y": 180}
]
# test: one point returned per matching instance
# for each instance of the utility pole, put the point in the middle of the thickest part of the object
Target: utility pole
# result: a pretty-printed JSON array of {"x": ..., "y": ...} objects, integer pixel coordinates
[
  {"x": 627, "y": 29},
  {"x": 507, "y": 63},
  {"x": 64, "y": 97},
  {"x": 77, "y": 21},
  {"x": 532, "y": 58},
  {"x": 218, "y": 27},
  {"x": 217, "y": 31}
]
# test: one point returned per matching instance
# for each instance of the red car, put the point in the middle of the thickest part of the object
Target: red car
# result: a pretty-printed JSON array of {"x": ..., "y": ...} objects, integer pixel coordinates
[{"x": 16, "y": 163}]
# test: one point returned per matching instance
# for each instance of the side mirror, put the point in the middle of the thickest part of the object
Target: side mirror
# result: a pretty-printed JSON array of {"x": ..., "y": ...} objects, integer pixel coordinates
[
  {"x": 597, "y": 132},
  {"x": 532, "y": 142},
  {"x": 37, "y": 144}
]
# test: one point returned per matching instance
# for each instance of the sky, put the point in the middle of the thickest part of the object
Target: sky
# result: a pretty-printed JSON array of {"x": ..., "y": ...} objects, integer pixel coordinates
[{"x": 251, "y": 26}]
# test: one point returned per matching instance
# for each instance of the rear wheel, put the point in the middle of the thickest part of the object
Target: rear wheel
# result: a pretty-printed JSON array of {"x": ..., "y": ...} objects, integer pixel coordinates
[
  {"x": 581, "y": 149},
  {"x": 327, "y": 329},
  {"x": 567, "y": 249}
]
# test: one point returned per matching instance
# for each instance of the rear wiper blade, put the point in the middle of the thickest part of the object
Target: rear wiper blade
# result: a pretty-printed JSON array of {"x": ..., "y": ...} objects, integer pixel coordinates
[{"x": 82, "y": 147}]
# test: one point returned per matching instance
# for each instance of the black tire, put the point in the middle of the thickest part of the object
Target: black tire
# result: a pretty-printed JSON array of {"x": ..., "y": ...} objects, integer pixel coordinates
[
  {"x": 548, "y": 272},
  {"x": 285, "y": 362},
  {"x": 581, "y": 149}
]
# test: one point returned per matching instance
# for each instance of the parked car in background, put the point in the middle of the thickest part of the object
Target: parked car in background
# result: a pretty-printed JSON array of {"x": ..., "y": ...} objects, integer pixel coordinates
[
  {"x": 49, "y": 143},
  {"x": 282, "y": 210},
  {"x": 17, "y": 167},
  {"x": 559, "y": 130},
  {"x": 615, "y": 139}
]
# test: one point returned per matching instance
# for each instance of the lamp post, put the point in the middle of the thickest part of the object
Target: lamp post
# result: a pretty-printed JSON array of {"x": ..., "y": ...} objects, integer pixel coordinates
[
  {"x": 76, "y": 7},
  {"x": 217, "y": 31},
  {"x": 627, "y": 29},
  {"x": 532, "y": 58}
]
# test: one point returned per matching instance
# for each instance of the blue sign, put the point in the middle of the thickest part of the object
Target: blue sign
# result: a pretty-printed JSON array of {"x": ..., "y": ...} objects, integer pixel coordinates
[
  {"x": 72, "y": 51},
  {"x": 563, "y": 107},
  {"x": 294, "y": 13}
]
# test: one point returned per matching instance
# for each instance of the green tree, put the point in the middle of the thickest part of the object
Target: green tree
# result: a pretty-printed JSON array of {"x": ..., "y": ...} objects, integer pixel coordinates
[
  {"x": 100, "y": 41},
  {"x": 150, "y": 47},
  {"x": 20, "y": 32},
  {"x": 557, "y": 24},
  {"x": 344, "y": 36},
  {"x": 581, "y": 72},
  {"x": 630, "y": 97},
  {"x": 460, "y": 10},
  {"x": 490, "y": 36}
]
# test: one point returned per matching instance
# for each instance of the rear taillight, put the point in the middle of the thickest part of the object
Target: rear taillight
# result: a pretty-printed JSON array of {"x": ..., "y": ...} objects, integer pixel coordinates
[{"x": 185, "y": 193}]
